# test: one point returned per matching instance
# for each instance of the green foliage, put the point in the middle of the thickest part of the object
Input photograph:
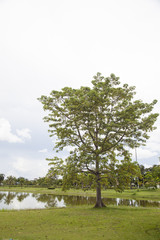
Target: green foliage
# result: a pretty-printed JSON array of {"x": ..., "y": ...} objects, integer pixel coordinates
[
  {"x": 100, "y": 123},
  {"x": 51, "y": 179},
  {"x": 22, "y": 181},
  {"x": 10, "y": 180},
  {"x": 1, "y": 178},
  {"x": 126, "y": 172},
  {"x": 152, "y": 176}
]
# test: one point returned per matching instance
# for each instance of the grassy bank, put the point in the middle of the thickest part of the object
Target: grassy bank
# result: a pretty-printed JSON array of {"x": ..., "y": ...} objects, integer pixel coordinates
[
  {"x": 110, "y": 193},
  {"x": 85, "y": 223}
]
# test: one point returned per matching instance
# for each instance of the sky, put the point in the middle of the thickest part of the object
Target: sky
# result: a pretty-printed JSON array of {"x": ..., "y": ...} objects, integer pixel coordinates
[{"x": 46, "y": 45}]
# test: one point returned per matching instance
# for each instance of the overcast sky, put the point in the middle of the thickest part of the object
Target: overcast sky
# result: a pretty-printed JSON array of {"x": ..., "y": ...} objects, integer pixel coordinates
[{"x": 50, "y": 44}]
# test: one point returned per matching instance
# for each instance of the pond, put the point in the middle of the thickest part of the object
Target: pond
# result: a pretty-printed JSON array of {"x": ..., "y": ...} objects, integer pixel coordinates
[{"x": 14, "y": 200}]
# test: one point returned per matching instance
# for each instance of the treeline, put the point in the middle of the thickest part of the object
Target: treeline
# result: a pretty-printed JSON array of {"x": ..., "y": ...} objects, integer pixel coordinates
[
  {"x": 36, "y": 182},
  {"x": 127, "y": 178}
]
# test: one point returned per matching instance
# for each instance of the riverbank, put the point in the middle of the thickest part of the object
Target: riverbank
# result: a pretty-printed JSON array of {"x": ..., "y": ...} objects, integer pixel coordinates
[
  {"x": 82, "y": 222},
  {"x": 140, "y": 194}
]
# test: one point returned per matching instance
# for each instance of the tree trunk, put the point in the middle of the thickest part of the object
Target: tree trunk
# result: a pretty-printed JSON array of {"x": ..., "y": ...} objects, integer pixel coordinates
[{"x": 99, "y": 202}]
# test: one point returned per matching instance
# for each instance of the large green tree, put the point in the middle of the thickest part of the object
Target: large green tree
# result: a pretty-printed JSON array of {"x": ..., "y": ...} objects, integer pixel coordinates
[{"x": 100, "y": 123}]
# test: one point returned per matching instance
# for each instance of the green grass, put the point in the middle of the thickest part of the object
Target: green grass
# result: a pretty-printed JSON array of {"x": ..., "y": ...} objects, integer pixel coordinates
[
  {"x": 81, "y": 223},
  {"x": 110, "y": 193}
]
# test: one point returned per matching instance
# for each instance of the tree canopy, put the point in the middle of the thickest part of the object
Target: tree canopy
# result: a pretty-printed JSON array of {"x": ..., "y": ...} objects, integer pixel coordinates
[{"x": 100, "y": 124}]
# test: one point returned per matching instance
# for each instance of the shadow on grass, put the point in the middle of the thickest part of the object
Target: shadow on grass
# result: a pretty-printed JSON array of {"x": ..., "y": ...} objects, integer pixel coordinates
[{"x": 118, "y": 208}]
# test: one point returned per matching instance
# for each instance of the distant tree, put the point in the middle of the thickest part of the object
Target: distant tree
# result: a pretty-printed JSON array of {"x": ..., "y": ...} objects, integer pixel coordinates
[
  {"x": 127, "y": 174},
  {"x": 22, "y": 181},
  {"x": 101, "y": 124},
  {"x": 40, "y": 181},
  {"x": 156, "y": 173},
  {"x": 10, "y": 180},
  {"x": 142, "y": 178},
  {"x": 51, "y": 178},
  {"x": 1, "y": 178},
  {"x": 152, "y": 176}
]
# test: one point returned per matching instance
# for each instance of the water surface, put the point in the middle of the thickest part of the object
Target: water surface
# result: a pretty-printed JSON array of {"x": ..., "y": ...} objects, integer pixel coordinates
[{"x": 15, "y": 200}]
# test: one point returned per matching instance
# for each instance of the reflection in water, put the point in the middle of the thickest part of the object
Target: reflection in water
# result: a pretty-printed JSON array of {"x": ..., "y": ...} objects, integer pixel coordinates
[
  {"x": 2, "y": 195},
  {"x": 12, "y": 200},
  {"x": 9, "y": 197},
  {"x": 49, "y": 200},
  {"x": 22, "y": 196}
]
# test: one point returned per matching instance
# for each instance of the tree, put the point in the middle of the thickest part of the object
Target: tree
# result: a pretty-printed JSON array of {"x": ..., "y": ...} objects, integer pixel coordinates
[
  {"x": 1, "y": 178},
  {"x": 51, "y": 178},
  {"x": 143, "y": 171},
  {"x": 156, "y": 174},
  {"x": 152, "y": 176},
  {"x": 127, "y": 174},
  {"x": 22, "y": 181},
  {"x": 10, "y": 180},
  {"x": 100, "y": 123}
]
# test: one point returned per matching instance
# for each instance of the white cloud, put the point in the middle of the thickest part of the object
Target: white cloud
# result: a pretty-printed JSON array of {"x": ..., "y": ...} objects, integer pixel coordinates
[
  {"x": 6, "y": 132},
  {"x": 24, "y": 133},
  {"x": 144, "y": 153},
  {"x": 29, "y": 167},
  {"x": 11, "y": 173},
  {"x": 21, "y": 164},
  {"x": 147, "y": 165},
  {"x": 152, "y": 149},
  {"x": 7, "y": 135},
  {"x": 154, "y": 141},
  {"x": 69, "y": 148},
  {"x": 43, "y": 150},
  {"x": 155, "y": 146}
]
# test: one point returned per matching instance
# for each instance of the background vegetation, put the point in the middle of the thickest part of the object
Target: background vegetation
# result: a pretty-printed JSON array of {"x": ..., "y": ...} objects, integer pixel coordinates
[{"x": 147, "y": 178}]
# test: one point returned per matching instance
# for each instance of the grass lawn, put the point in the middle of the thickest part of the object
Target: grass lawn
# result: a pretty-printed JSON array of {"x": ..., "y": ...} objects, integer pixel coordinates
[
  {"x": 81, "y": 223},
  {"x": 110, "y": 193}
]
